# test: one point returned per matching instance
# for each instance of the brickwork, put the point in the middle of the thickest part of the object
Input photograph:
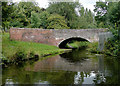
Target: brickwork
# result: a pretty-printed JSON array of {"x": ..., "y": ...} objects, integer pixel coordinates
[{"x": 52, "y": 36}]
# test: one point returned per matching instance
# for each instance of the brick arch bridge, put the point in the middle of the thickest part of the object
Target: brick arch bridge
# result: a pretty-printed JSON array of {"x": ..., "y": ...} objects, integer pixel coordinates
[{"x": 53, "y": 36}]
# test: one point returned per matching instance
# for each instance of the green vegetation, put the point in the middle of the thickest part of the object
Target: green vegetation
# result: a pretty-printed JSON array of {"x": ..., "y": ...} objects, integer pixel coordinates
[
  {"x": 39, "y": 20},
  {"x": 59, "y": 15},
  {"x": 56, "y": 21},
  {"x": 17, "y": 50},
  {"x": 112, "y": 46},
  {"x": 109, "y": 16},
  {"x": 77, "y": 44},
  {"x": 77, "y": 55},
  {"x": 91, "y": 47}
]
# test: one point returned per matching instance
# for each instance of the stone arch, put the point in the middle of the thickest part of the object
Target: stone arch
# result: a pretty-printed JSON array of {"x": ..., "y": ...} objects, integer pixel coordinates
[{"x": 63, "y": 43}]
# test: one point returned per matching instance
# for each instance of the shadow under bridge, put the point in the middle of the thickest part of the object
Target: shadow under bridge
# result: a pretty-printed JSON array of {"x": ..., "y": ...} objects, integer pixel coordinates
[{"x": 63, "y": 44}]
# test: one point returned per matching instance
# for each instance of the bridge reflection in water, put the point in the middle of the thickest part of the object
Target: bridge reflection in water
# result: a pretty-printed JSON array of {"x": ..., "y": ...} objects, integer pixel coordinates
[
  {"x": 76, "y": 67},
  {"x": 58, "y": 63},
  {"x": 76, "y": 62}
]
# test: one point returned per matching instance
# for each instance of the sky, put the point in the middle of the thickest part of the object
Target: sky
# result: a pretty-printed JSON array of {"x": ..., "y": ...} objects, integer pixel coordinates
[{"x": 86, "y": 3}]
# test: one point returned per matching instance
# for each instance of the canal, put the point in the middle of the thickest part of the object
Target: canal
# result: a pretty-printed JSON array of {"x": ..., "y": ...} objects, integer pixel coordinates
[{"x": 74, "y": 67}]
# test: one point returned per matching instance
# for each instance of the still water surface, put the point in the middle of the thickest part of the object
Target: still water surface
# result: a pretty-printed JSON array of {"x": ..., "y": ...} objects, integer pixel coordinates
[{"x": 75, "y": 67}]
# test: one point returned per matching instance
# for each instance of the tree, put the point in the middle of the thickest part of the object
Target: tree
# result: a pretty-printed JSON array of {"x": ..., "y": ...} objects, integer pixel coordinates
[
  {"x": 35, "y": 20},
  {"x": 101, "y": 12},
  {"x": 22, "y": 13},
  {"x": 86, "y": 19},
  {"x": 66, "y": 9},
  {"x": 82, "y": 11},
  {"x": 7, "y": 9},
  {"x": 43, "y": 19},
  {"x": 56, "y": 21},
  {"x": 28, "y": 7},
  {"x": 114, "y": 15},
  {"x": 39, "y": 20}
]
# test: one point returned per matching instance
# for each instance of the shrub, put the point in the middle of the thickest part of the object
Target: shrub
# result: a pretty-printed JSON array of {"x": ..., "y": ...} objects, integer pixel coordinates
[
  {"x": 20, "y": 55},
  {"x": 112, "y": 47},
  {"x": 93, "y": 47}
]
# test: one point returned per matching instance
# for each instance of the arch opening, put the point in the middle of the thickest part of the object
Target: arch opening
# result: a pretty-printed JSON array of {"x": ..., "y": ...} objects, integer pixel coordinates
[{"x": 63, "y": 44}]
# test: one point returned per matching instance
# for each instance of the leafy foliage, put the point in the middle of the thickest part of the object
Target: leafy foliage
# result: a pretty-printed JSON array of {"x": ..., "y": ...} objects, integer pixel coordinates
[
  {"x": 43, "y": 18},
  {"x": 23, "y": 12},
  {"x": 29, "y": 14},
  {"x": 108, "y": 16},
  {"x": 101, "y": 12},
  {"x": 7, "y": 10},
  {"x": 18, "y": 14},
  {"x": 107, "y": 13},
  {"x": 87, "y": 17},
  {"x": 66, "y": 9},
  {"x": 56, "y": 21},
  {"x": 114, "y": 13},
  {"x": 35, "y": 20},
  {"x": 113, "y": 45}
]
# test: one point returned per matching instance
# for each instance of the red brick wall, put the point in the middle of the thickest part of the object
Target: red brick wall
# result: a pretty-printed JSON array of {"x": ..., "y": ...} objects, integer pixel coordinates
[{"x": 33, "y": 35}]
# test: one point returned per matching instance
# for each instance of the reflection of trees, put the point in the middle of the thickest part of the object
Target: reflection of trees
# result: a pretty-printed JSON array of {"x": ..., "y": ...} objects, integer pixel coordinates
[
  {"x": 111, "y": 72},
  {"x": 75, "y": 56},
  {"x": 62, "y": 77},
  {"x": 18, "y": 75},
  {"x": 79, "y": 77}
]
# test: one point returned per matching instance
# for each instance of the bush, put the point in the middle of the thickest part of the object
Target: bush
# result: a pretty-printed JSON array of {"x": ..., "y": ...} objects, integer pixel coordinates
[
  {"x": 20, "y": 55},
  {"x": 31, "y": 54},
  {"x": 4, "y": 60},
  {"x": 112, "y": 47},
  {"x": 93, "y": 47}
]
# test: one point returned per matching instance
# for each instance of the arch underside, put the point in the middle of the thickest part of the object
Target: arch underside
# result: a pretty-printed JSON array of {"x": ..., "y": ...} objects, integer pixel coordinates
[{"x": 69, "y": 40}]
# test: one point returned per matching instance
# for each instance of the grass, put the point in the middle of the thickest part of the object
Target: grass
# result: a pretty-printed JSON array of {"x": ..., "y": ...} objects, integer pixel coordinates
[
  {"x": 18, "y": 49},
  {"x": 91, "y": 47},
  {"x": 77, "y": 44}
]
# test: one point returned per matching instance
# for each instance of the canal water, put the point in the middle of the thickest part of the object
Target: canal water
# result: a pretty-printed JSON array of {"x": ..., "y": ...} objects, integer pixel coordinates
[{"x": 75, "y": 67}]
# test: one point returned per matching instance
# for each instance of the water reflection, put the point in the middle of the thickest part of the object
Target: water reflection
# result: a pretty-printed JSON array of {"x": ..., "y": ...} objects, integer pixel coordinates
[
  {"x": 76, "y": 62},
  {"x": 75, "y": 55},
  {"x": 77, "y": 67}
]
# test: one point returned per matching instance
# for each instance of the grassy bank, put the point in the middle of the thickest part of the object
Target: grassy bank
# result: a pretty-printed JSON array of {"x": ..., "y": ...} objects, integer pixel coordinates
[
  {"x": 18, "y": 50},
  {"x": 77, "y": 44},
  {"x": 91, "y": 47}
]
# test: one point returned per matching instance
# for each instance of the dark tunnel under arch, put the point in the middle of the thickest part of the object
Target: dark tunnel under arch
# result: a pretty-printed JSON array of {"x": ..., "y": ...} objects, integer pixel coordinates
[{"x": 62, "y": 45}]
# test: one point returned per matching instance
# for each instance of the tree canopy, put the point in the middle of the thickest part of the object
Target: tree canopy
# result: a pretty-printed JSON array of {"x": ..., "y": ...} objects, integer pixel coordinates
[
  {"x": 58, "y": 15},
  {"x": 107, "y": 13},
  {"x": 55, "y": 21}
]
